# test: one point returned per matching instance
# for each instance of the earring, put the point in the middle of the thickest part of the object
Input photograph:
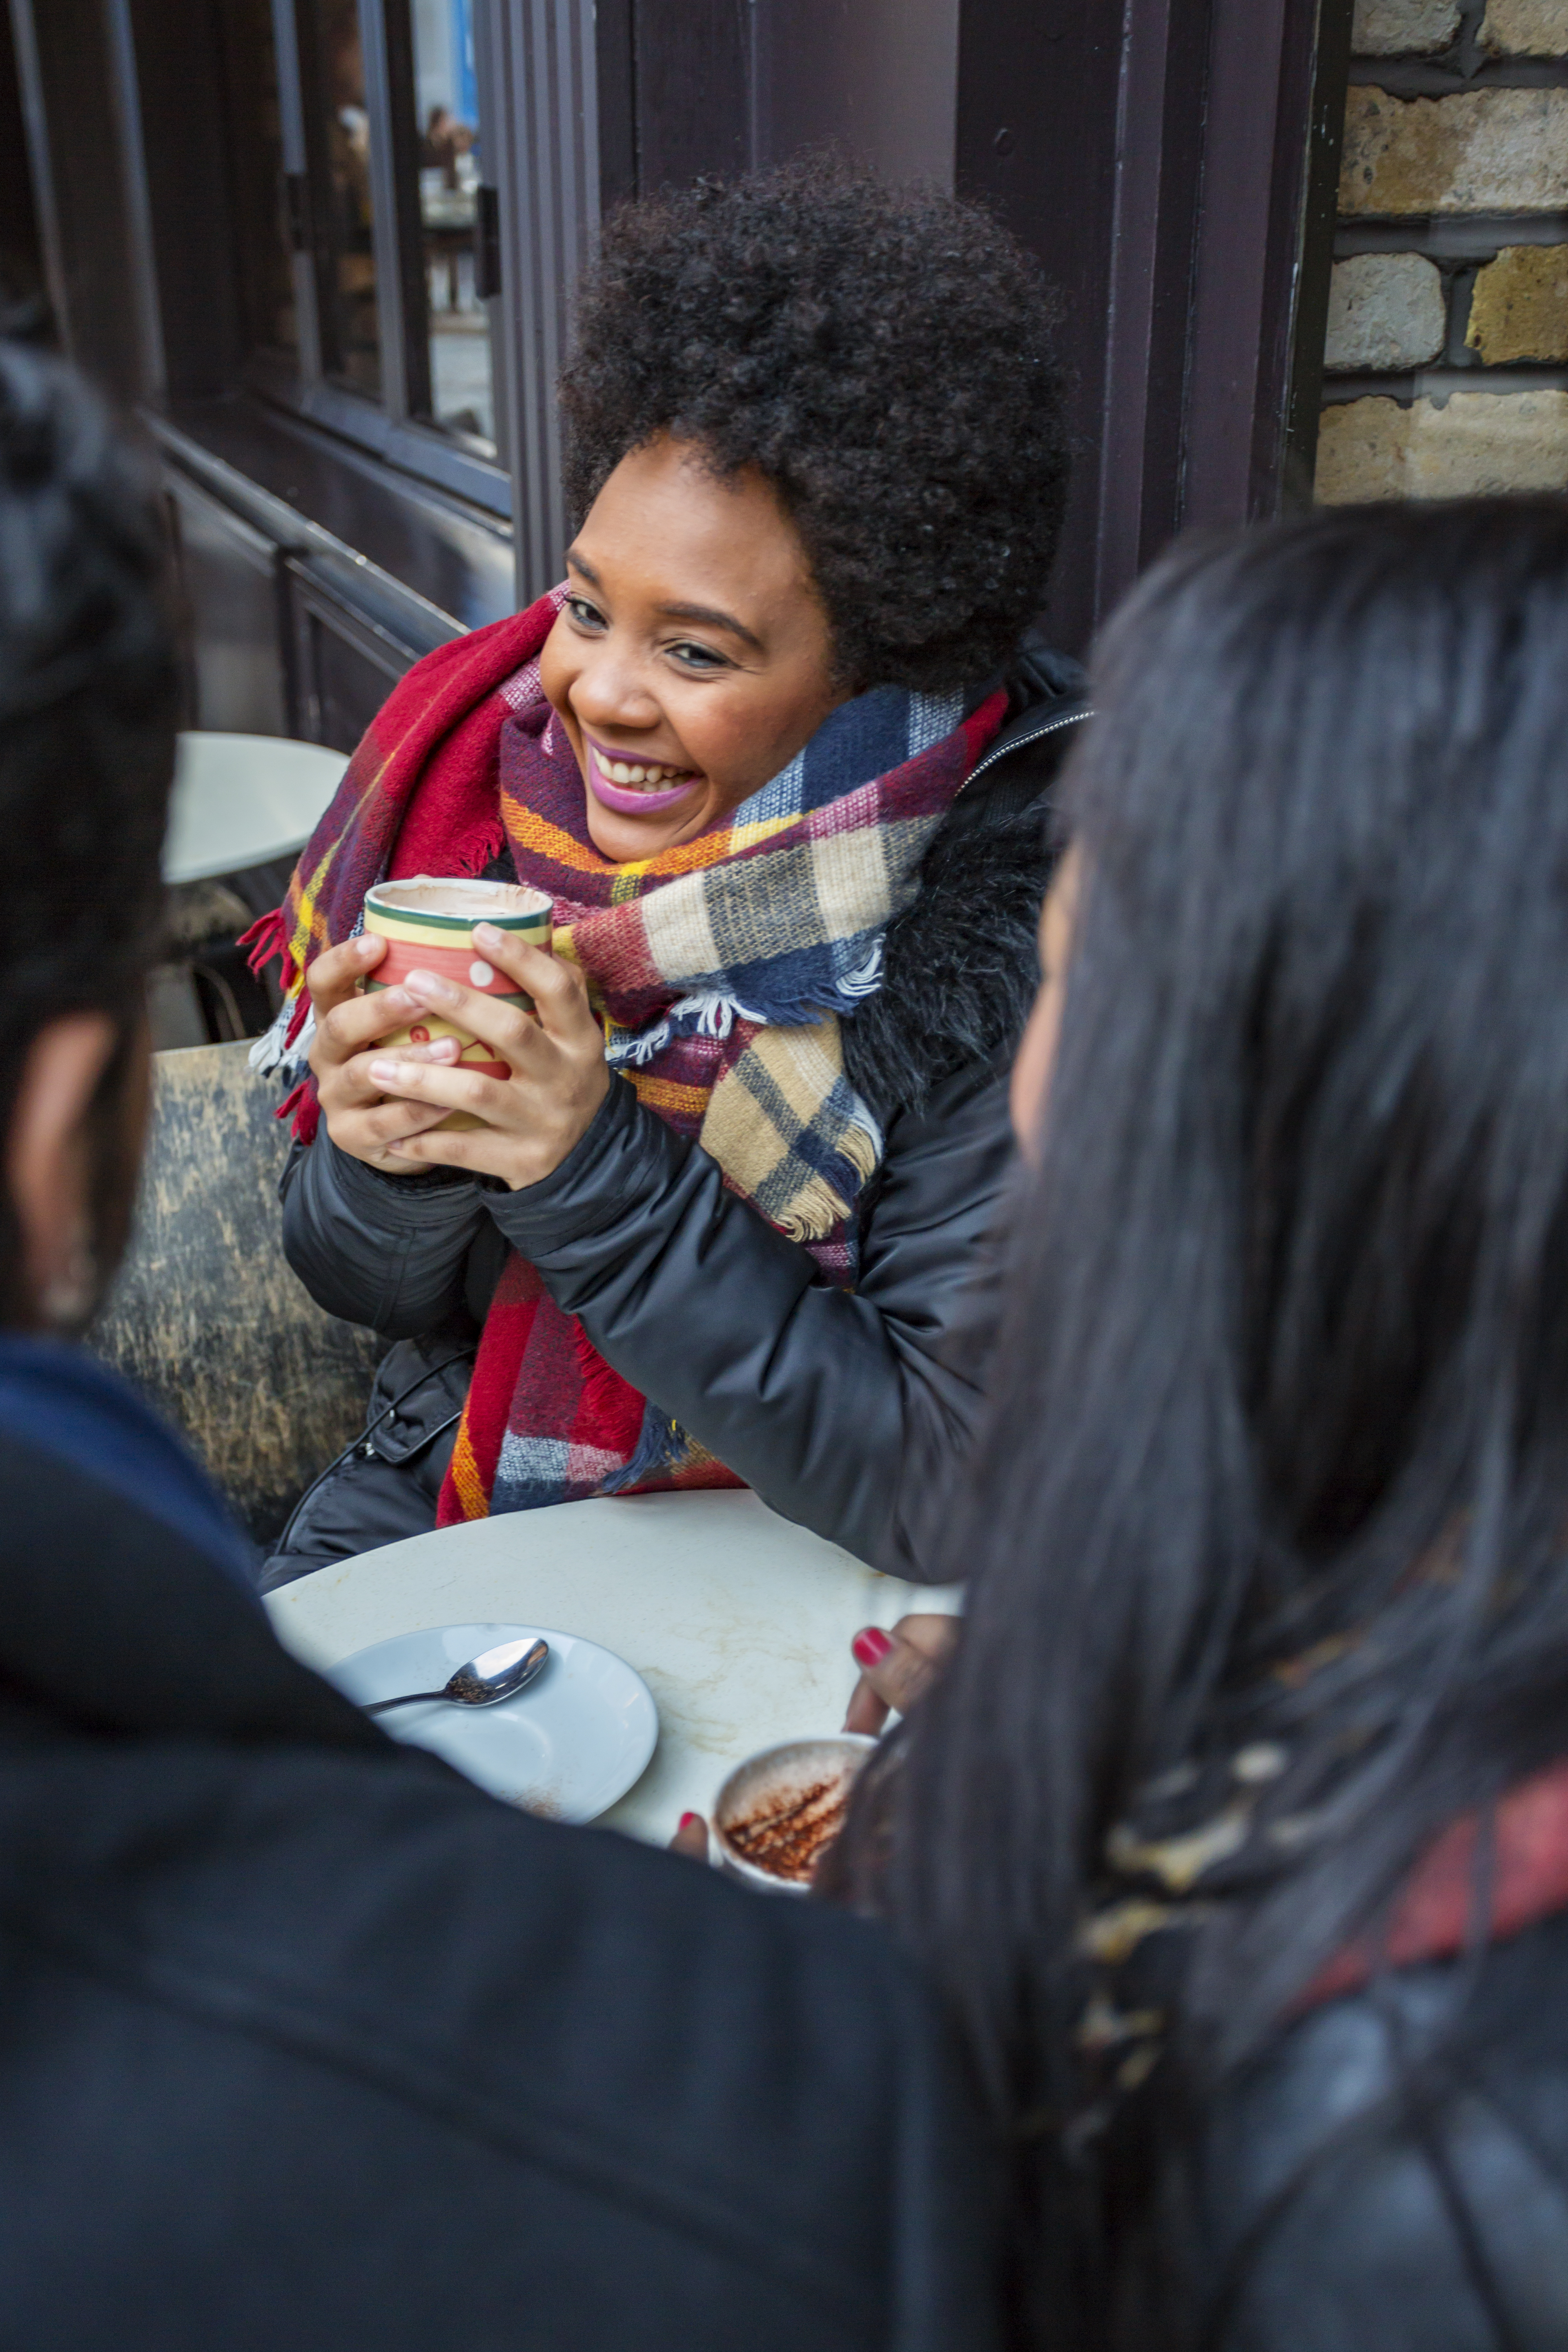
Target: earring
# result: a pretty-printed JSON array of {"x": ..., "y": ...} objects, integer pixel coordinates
[{"x": 70, "y": 1296}]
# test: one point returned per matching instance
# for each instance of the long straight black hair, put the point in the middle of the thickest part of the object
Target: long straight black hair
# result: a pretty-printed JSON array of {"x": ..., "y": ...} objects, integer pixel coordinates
[{"x": 1277, "y": 1460}]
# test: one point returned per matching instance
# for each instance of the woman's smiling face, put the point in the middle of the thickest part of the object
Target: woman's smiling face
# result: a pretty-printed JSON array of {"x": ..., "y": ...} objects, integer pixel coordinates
[{"x": 692, "y": 659}]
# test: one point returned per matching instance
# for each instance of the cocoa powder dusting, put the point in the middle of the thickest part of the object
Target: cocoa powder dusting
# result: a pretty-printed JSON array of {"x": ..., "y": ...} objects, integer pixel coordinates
[{"x": 787, "y": 1835}]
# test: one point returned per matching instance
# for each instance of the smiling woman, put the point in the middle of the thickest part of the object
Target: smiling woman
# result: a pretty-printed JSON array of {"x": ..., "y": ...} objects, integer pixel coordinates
[
  {"x": 777, "y": 754},
  {"x": 693, "y": 658}
]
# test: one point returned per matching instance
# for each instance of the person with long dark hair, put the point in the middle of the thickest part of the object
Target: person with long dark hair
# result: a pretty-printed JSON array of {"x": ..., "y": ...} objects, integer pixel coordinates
[{"x": 1236, "y": 1826}]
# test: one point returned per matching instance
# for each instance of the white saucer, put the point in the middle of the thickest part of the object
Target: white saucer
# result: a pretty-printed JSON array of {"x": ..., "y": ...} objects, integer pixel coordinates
[{"x": 566, "y": 1746}]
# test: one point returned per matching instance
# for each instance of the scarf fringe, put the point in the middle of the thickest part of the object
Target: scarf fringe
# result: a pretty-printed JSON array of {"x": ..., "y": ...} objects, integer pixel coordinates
[
  {"x": 286, "y": 1045},
  {"x": 867, "y": 978},
  {"x": 658, "y": 1443},
  {"x": 816, "y": 1207},
  {"x": 707, "y": 1016},
  {"x": 813, "y": 1212},
  {"x": 268, "y": 937},
  {"x": 714, "y": 1014}
]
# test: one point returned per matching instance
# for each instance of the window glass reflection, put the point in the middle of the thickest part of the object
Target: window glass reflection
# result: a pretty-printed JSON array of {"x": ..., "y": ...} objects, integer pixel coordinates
[
  {"x": 249, "y": 67},
  {"x": 457, "y": 325},
  {"x": 338, "y": 129}
]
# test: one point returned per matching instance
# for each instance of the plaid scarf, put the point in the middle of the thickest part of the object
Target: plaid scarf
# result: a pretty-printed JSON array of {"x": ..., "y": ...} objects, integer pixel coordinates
[{"x": 719, "y": 970}]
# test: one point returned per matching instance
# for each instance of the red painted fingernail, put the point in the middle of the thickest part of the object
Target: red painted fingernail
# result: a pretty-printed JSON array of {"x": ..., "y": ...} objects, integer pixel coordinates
[
  {"x": 871, "y": 1646},
  {"x": 689, "y": 1821}
]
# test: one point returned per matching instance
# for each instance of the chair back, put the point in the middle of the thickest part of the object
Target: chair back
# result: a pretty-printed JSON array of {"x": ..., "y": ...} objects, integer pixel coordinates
[{"x": 207, "y": 1316}]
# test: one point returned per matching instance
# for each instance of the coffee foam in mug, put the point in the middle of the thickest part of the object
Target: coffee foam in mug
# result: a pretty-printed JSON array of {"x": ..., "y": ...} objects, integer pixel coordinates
[
  {"x": 778, "y": 1812},
  {"x": 474, "y": 901}
]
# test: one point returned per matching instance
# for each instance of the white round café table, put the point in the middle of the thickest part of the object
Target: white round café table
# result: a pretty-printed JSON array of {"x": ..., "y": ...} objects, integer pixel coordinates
[
  {"x": 739, "y": 1622},
  {"x": 244, "y": 799}
]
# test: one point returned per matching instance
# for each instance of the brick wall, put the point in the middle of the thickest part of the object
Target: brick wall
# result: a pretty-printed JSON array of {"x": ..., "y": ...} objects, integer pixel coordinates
[{"x": 1446, "y": 359}]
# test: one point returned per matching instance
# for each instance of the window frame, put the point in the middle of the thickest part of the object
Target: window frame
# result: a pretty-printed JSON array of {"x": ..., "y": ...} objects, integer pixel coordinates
[{"x": 386, "y": 425}]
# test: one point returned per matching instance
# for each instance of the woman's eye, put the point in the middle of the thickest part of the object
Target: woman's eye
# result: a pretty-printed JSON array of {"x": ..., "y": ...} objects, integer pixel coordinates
[
  {"x": 691, "y": 656},
  {"x": 586, "y": 615}
]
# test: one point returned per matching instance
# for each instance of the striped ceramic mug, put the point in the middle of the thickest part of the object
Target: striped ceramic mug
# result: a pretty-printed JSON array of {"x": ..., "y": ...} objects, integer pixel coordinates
[{"x": 428, "y": 925}]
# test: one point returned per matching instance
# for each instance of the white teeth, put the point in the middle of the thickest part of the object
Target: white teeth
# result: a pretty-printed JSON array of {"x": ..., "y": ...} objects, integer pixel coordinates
[{"x": 632, "y": 772}]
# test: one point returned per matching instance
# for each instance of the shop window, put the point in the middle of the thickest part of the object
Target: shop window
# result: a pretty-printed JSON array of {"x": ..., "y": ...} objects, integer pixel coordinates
[
  {"x": 337, "y": 140},
  {"x": 255, "y": 142},
  {"x": 366, "y": 226},
  {"x": 454, "y": 389}
]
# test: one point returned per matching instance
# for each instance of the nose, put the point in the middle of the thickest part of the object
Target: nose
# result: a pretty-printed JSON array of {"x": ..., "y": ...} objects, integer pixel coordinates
[{"x": 612, "y": 691}]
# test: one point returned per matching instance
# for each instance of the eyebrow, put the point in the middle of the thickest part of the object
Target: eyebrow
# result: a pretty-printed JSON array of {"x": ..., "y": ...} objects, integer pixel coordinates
[{"x": 707, "y": 613}]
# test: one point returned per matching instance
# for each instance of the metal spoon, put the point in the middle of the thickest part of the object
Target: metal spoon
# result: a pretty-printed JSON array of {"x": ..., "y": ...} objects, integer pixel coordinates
[{"x": 485, "y": 1681}]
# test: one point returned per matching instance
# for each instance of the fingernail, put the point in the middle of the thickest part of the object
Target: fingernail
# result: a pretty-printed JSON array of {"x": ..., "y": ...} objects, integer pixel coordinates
[
  {"x": 445, "y": 1049},
  {"x": 689, "y": 1820},
  {"x": 430, "y": 987},
  {"x": 366, "y": 944},
  {"x": 870, "y": 1647},
  {"x": 385, "y": 1074},
  {"x": 487, "y": 935}
]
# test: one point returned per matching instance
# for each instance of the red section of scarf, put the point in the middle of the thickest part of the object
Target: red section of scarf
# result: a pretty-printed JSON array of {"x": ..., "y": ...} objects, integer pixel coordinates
[
  {"x": 453, "y": 824},
  {"x": 1434, "y": 1917},
  {"x": 513, "y": 1309}
]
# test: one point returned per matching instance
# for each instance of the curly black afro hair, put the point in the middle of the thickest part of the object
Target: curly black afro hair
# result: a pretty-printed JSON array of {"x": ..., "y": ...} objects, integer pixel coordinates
[{"x": 884, "y": 357}]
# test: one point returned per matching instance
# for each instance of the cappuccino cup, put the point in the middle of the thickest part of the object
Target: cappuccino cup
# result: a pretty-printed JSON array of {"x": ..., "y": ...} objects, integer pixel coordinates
[{"x": 778, "y": 1812}]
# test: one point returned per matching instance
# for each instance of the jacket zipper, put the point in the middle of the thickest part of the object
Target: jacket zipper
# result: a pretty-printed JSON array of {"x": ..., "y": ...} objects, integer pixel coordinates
[{"x": 1022, "y": 742}]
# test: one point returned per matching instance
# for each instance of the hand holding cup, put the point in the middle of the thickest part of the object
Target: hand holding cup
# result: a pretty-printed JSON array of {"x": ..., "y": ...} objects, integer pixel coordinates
[
  {"x": 541, "y": 1078},
  {"x": 350, "y": 1027}
]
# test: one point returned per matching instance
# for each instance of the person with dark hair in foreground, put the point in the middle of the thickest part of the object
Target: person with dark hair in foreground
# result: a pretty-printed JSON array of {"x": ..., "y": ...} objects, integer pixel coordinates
[
  {"x": 776, "y": 751},
  {"x": 305, "y": 2041},
  {"x": 1238, "y": 1824}
]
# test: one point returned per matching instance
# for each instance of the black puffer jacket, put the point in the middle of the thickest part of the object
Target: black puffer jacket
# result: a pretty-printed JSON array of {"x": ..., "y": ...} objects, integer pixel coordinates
[
  {"x": 839, "y": 1407},
  {"x": 1392, "y": 2176}
]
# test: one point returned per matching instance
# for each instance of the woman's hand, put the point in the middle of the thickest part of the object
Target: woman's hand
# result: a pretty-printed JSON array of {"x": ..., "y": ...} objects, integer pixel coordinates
[
  {"x": 559, "y": 1074},
  {"x": 897, "y": 1667},
  {"x": 360, "y": 1119}
]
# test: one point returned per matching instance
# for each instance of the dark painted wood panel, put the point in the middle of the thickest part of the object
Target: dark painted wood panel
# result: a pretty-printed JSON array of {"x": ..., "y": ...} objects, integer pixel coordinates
[
  {"x": 90, "y": 202},
  {"x": 189, "y": 195},
  {"x": 693, "y": 89},
  {"x": 876, "y": 77},
  {"x": 1160, "y": 155},
  {"x": 231, "y": 617},
  {"x": 446, "y": 553},
  {"x": 344, "y": 665},
  {"x": 1037, "y": 135},
  {"x": 24, "y": 295}
]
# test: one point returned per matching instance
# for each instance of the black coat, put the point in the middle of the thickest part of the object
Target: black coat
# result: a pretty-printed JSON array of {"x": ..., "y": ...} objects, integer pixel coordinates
[
  {"x": 842, "y": 1408},
  {"x": 307, "y": 2046},
  {"x": 1392, "y": 2176}
]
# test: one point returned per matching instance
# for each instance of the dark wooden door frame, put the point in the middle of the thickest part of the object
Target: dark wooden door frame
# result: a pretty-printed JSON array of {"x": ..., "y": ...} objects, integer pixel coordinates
[{"x": 1167, "y": 160}]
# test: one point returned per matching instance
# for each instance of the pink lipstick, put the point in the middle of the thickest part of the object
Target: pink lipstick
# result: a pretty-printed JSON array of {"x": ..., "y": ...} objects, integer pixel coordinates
[{"x": 624, "y": 799}]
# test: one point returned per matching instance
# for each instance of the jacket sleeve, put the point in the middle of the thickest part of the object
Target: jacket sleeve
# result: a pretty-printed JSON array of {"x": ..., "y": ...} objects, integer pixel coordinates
[
  {"x": 841, "y": 1408},
  {"x": 388, "y": 1250}
]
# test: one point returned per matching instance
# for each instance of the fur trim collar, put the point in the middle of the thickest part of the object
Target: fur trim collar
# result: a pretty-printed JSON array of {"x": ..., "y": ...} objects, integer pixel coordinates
[{"x": 961, "y": 966}]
